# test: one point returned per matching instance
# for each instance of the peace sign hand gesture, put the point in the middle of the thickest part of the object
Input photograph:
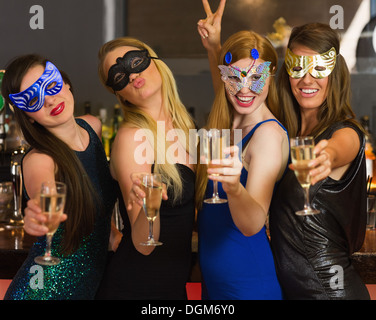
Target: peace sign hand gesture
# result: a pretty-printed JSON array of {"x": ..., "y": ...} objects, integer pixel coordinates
[{"x": 210, "y": 28}]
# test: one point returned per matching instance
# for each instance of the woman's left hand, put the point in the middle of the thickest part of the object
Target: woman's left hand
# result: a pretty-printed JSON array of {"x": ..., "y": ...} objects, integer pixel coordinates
[{"x": 229, "y": 172}]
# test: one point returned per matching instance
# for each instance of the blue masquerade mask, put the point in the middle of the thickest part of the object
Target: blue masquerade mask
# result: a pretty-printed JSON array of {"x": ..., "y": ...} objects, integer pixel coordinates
[{"x": 32, "y": 99}]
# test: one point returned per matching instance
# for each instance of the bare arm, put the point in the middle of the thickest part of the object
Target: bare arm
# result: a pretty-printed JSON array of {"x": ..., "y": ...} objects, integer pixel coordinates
[
  {"x": 334, "y": 156},
  {"x": 122, "y": 165},
  {"x": 249, "y": 205},
  {"x": 37, "y": 167}
]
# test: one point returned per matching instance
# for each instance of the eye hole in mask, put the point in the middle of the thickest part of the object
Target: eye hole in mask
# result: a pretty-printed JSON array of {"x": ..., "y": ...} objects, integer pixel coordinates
[
  {"x": 134, "y": 61},
  {"x": 318, "y": 66},
  {"x": 35, "y": 99},
  {"x": 32, "y": 99}
]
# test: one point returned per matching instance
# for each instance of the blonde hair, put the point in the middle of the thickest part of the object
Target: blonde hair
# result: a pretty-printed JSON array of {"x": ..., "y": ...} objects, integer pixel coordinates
[
  {"x": 134, "y": 117},
  {"x": 240, "y": 45}
]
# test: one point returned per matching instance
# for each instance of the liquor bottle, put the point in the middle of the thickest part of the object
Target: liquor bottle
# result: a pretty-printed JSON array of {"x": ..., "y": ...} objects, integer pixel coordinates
[
  {"x": 116, "y": 121},
  {"x": 87, "y": 107},
  {"x": 2, "y": 117},
  {"x": 369, "y": 150},
  {"x": 2, "y": 131},
  {"x": 106, "y": 131},
  {"x": 2, "y": 101},
  {"x": 16, "y": 220}
]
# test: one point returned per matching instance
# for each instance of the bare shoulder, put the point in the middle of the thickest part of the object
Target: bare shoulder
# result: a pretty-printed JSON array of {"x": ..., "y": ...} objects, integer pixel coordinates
[
  {"x": 36, "y": 159},
  {"x": 127, "y": 137},
  {"x": 269, "y": 134},
  {"x": 130, "y": 146},
  {"x": 36, "y": 168}
]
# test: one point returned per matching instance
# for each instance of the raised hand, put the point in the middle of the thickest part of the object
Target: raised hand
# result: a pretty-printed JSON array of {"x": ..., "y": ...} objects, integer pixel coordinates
[{"x": 210, "y": 28}]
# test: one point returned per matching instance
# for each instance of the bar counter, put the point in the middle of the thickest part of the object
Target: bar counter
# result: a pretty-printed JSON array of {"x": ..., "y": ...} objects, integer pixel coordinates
[
  {"x": 365, "y": 259},
  {"x": 14, "y": 247},
  {"x": 15, "y": 244}
]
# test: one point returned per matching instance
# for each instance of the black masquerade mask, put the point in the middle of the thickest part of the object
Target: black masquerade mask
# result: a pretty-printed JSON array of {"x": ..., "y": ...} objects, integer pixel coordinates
[{"x": 134, "y": 61}]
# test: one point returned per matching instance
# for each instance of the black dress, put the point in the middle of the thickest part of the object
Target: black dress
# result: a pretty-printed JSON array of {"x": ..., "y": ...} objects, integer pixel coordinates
[
  {"x": 164, "y": 273},
  {"x": 313, "y": 253}
]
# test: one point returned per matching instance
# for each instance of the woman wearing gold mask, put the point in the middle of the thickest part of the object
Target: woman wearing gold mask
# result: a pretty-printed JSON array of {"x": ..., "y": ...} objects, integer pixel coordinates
[{"x": 313, "y": 252}]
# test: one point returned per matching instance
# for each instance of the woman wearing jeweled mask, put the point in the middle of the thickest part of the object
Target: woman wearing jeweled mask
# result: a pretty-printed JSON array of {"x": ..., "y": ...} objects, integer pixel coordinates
[
  {"x": 235, "y": 257},
  {"x": 313, "y": 252}
]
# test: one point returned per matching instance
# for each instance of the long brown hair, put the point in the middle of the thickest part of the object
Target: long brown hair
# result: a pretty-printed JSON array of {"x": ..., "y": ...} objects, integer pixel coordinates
[
  {"x": 337, "y": 107},
  {"x": 240, "y": 45},
  {"x": 80, "y": 203}
]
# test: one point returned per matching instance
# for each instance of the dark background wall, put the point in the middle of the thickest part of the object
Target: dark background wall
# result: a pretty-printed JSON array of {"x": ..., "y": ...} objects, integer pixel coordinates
[{"x": 74, "y": 30}]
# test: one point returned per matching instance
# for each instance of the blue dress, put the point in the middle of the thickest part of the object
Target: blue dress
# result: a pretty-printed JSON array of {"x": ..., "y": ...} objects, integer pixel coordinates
[
  {"x": 233, "y": 266},
  {"x": 78, "y": 275}
]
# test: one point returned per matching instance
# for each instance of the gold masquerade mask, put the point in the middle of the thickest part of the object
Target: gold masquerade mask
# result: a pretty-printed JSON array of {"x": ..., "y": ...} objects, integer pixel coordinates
[{"x": 318, "y": 66}]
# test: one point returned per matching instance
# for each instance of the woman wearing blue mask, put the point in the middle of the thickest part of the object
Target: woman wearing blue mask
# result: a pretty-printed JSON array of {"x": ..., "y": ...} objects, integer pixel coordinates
[{"x": 64, "y": 149}]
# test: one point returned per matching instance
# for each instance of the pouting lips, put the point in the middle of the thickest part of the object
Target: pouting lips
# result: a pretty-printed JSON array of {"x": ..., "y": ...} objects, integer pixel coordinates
[{"x": 138, "y": 83}]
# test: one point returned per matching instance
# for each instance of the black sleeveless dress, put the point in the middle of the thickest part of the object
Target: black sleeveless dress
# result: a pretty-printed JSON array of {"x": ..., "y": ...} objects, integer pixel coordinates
[
  {"x": 164, "y": 273},
  {"x": 313, "y": 253}
]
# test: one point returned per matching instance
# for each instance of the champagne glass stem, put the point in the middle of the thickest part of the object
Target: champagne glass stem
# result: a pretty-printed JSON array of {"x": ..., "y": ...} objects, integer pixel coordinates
[
  {"x": 215, "y": 189},
  {"x": 151, "y": 227},
  {"x": 306, "y": 198},
  {"x": 48, "y": 245}
]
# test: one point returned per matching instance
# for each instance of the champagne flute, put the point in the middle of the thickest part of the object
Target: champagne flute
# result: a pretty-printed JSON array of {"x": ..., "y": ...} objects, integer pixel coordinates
[
  {"x": 52, "y": 202},
  {"x": 151, "y": 184},
  {"x": 215, "y": 141},
  {"x": 301, "y": 154}
]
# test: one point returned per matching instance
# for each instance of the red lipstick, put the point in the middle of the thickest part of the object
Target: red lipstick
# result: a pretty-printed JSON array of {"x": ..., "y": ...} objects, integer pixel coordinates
[{"x": 58, "y": 109}]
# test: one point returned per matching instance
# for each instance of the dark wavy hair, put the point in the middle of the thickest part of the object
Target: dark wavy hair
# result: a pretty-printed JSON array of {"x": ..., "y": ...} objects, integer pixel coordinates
[{"x": 80, "y": 203}]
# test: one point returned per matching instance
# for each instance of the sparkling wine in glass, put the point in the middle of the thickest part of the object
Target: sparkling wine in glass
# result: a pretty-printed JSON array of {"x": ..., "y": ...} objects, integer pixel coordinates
[
  {"x": 151, "y": 184},
  {"x": 52, "y": 202},
  {"x": 301, "y": 154},
  {"x": 215, "y": 141}
]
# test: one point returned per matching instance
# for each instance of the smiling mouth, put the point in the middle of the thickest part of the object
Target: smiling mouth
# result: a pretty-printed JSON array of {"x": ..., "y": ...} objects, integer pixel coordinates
[
  {"x": 309, "y": 91},
  {"x": 245, "y": 101}
]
